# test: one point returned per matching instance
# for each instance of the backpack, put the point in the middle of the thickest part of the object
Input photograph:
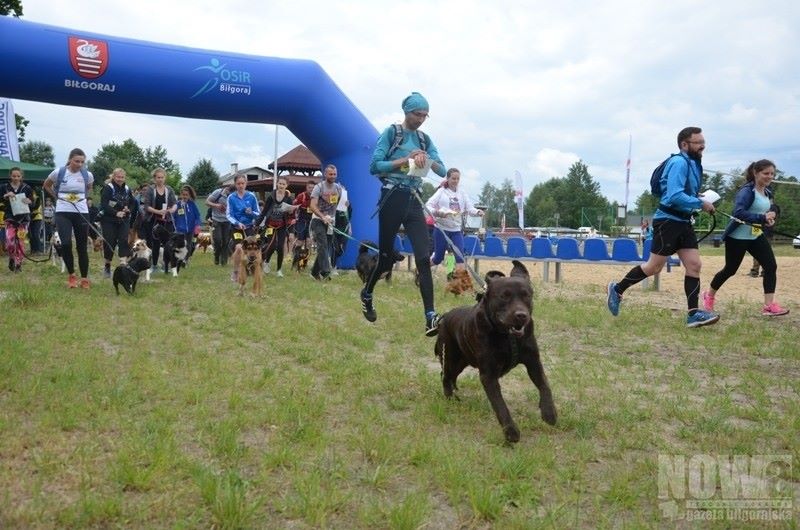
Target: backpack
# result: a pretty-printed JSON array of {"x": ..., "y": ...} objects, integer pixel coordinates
[
  {"x": 62, "y": 172},
  {"x": 655, "y": 186},
  {"x": 655, "y": 179},
  {"x": 398, "y": 139}
]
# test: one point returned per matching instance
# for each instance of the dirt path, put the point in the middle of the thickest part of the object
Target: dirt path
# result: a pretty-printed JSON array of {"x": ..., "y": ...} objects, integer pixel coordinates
[{"x": 739, "y": 288}]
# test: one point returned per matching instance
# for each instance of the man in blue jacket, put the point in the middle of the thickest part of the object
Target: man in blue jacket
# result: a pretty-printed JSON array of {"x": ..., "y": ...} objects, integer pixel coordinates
[{"x": 672, "y": 228}]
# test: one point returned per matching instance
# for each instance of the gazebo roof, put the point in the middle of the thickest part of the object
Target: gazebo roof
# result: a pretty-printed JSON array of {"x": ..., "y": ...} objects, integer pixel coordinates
[{"x": 298, "y": 160}]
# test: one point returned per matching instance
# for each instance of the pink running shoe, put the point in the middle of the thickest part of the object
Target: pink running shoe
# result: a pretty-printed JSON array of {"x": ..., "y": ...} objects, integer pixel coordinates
[
  {"x": 708, "y": 301},
  {"x": 773, "y": 310}
]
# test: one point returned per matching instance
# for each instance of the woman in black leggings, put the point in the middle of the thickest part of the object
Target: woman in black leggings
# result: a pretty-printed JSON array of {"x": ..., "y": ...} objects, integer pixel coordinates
[
  {"x": 70, "y": 186},
  {"x": 277, "y": 210},
  {"x": 400, "y": 202},
  {"x": 753, "y": 210}
]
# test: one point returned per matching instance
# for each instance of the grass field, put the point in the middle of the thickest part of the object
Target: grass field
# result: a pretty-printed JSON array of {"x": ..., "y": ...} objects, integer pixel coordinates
[{"x": 187, "y": 406}]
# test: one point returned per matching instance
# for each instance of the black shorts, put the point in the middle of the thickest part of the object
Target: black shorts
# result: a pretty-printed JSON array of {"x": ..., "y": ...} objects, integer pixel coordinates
[
  {"x": 670, "y": 236},
  {"x": 238, "y": 235}
]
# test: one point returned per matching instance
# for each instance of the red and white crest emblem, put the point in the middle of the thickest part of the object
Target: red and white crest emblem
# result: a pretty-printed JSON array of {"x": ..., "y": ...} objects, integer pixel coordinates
[{"x": 88, "y": 57}]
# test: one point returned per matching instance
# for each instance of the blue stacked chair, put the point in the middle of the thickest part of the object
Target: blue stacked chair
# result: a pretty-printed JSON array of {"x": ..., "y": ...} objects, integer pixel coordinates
[
  {"x": 472, "y": 246},
  {"x": 567, "y": 248},
  {"x": 625, "y": 250},
  {"x": 646, "y": 246},
  {"x": 398, "y": 243},
  {"x": 407, "y": 248},
  {"x": 517, "y": 247},
  {"x": 541, "y": 248},
  {"x": 493, "y": 247},
  {"x": 595, "y": 250}
]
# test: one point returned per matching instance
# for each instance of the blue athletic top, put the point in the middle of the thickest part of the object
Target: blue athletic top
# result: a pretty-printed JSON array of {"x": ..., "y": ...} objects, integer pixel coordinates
[
  {"x": 680, "y": 184},
  {"x": 236, "y": 209}
]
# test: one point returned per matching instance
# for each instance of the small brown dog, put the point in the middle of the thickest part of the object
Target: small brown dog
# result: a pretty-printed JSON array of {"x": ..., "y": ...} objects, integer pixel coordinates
[
  {"x": 250, "y": 265},
  {"x": 204, "y": 240},
  {"x": 459, "y": 283},
  {"x": 494, "y": 336}
]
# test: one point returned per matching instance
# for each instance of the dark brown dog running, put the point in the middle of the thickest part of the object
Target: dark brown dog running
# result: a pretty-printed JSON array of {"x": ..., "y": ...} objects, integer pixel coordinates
[
  {"x": 250, "y": 264},
  {"x": 494, "y": 336}
]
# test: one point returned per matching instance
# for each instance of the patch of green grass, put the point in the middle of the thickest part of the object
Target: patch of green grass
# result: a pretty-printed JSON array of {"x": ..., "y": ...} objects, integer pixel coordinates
[{"x": 187, "y": 406}]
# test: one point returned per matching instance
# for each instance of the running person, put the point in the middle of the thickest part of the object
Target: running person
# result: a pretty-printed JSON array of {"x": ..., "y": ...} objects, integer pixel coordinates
[
  {"x": 16, "y": 223},
  {"x": 117, "y": 203},
  {"x": 672, "y": 228},
  {"x": 160, "y": 205},
  {"x": 241, "y": 211},
  {"x": 275, "y": 214},
  {"x": 448, "y": 204},
  {"x": 752, "y": 205},
  {"x": 399, "y": 203},
  {"x": 70, "y": 186}
]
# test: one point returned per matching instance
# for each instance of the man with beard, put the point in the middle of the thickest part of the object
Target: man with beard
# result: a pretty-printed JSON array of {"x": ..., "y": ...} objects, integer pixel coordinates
[{"x": 672, "y": 228}]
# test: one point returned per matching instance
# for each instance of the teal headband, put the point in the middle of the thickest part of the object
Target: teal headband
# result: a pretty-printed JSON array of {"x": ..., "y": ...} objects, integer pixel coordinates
[{"x": 415, "y": 101}]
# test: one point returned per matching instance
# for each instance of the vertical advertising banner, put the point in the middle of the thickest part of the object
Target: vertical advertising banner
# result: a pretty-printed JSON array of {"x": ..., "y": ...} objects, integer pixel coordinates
[
  {"x": 9, "y": 148},
  {"x": 518, "y": 198}
]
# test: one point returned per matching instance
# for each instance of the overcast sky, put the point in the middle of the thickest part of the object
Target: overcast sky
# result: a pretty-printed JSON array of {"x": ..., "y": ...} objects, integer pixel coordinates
[{"x": 529, "y": 86}]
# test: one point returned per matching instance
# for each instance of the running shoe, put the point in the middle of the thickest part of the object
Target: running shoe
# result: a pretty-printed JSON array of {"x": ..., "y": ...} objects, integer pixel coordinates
[
  {"x": 773, "y": 310},
  {"x": 614, "y": 299},
  {"x": 72, "y": 281},
  {"x": 701, "y": 318},
  {"x": 279, "y": 274},
  {"x": 432, "y": 324},
  {"x": 366, "y": 307},
  {"x": 85, "y": 283},
  {"x": 708, "y": 301}
]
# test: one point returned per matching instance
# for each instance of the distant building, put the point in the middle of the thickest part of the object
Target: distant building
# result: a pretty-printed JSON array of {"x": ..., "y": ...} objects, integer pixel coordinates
[{"x": 298, "y": 166}]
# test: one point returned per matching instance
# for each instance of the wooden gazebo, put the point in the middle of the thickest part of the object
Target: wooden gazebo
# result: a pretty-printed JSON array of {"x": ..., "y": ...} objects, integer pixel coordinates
[{"x": 298, "y": 166}]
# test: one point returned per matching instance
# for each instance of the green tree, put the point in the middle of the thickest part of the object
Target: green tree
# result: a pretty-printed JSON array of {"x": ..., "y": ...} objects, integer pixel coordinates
[
  {"x": 11, "y": 7},
  {"x": 645, "y": 204},
  {"x": 487, "y": 198},
  {"x": 138, "y": 163},
  {"x": 22, "y": 123},
  {"x": 36, "y": 152},
  {"x": 205, "y": 179}
]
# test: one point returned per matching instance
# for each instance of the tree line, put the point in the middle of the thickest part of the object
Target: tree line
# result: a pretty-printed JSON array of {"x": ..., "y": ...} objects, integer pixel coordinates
[
  {"x": 137, "y": 162},
  {"x": 575, "y": 200}
]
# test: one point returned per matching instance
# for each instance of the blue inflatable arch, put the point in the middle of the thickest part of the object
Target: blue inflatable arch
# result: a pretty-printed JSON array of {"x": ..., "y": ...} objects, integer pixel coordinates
[{"x": 57, "y": 65}]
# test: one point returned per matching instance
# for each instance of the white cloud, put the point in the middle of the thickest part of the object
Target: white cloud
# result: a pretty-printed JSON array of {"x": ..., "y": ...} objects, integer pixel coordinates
[{"x": 562, "y": 81}]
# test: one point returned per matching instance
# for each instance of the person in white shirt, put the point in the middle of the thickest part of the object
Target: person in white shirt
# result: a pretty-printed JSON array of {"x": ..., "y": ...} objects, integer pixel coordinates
[
  {"x": 70, "y": 186},
  {"x": 448, "y": 206}
]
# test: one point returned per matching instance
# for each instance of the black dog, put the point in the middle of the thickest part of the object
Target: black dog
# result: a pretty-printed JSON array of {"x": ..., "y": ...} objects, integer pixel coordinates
[
  {"x": 127, "y": 275},
  {"x": 300, "y": 258},
  {"x": 494, "y": 336},
  {"x": 366, "y": 262}
]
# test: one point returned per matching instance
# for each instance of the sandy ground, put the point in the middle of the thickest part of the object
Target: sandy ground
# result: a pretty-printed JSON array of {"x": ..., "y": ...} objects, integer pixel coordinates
[{"x": 739, "y": 288}]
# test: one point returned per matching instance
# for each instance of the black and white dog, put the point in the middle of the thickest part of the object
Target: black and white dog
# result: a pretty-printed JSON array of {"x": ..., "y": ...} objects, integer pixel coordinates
[
  {"x": 55, "y": 243},
  {"x": 174, "y": 250},
  {"x": 139, "y": 249},
  {"x": 128, "y": 274}
]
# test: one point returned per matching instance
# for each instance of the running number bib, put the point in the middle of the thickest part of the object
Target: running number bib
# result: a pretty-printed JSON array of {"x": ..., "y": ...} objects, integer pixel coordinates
[
  {"x": 333, "y": 198},
  {"x": 269, "y": 231},
  {"x": 756, "y": 231},
  {"x": 238, "y": 235}
]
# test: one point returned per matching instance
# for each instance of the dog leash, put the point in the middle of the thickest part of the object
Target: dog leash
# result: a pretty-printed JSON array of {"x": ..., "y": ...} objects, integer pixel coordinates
[
  {"x": 450, "y": 243},
  {"x": 757, "y": 225},
  {"x": 348, "y": 236}
]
